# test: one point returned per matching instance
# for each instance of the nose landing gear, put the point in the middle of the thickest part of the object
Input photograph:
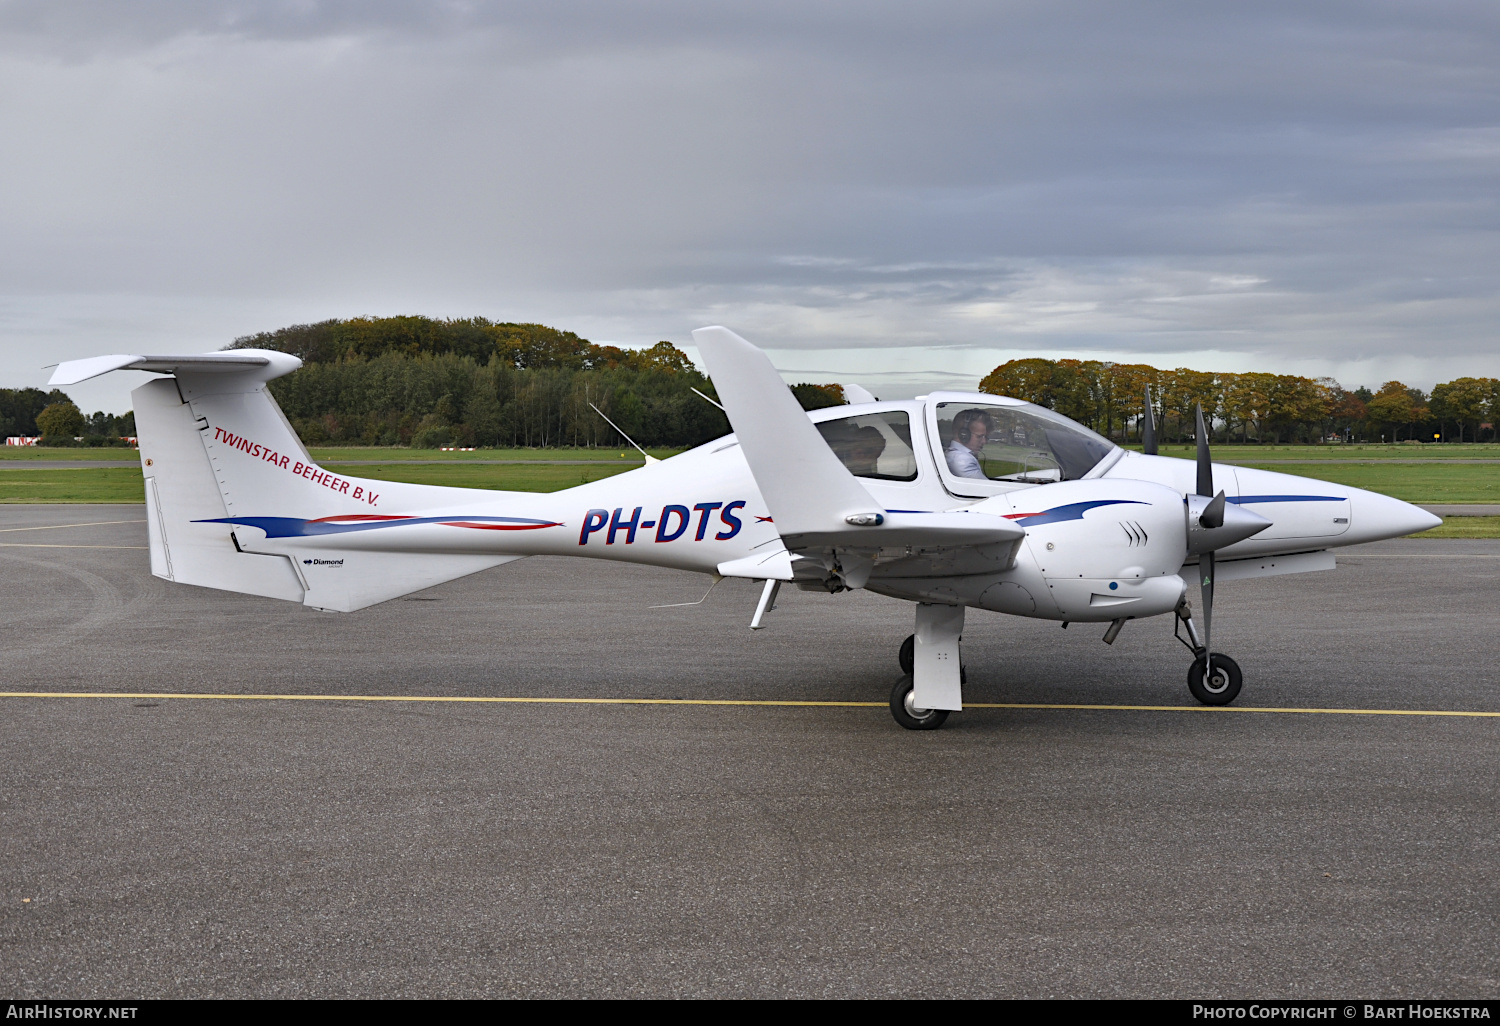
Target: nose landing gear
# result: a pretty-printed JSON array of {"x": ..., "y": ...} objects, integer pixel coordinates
[{"x": 1221, "y": 684}]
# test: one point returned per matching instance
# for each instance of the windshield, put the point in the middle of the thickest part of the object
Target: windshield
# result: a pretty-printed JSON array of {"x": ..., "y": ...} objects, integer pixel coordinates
[
  {"x": 1027, "y": 444},
  {"x": 875, "y": 445}
]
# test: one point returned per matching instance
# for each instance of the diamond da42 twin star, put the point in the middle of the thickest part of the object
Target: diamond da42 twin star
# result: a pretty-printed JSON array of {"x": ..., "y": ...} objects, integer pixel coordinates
[{"x": 950, "y": 501}]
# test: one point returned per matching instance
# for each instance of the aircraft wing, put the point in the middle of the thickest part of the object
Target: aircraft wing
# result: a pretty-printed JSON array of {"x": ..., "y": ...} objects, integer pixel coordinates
[{"x": 814, "y": 501}]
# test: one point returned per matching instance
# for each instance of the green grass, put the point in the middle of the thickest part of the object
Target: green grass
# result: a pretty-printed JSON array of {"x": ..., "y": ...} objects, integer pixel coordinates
[
  {"x": 332, "y": 455},
  {"x": 1413, "y": 482},
  {"x": 1464, "y": 527},
  {"x": 1236, "y": 453},
  {"x": 512, "y": 478},
  {"x": 26, "y": 453},
  {"x": 108, "y": 484},
  {"x": 336, "y": 454},
  {"x": 86, "y": 484}
]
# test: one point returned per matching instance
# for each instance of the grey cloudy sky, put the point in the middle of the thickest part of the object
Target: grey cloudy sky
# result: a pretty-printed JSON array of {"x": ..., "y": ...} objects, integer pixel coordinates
[{"x": 902, "y": 195}]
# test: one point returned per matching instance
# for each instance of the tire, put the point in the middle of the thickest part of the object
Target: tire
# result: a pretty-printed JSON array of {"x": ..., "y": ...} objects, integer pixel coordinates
[
  {"x": 906, "y": 715},
  {"x": 907, "y": 657},
  {"x": 1223, "y": 685}
]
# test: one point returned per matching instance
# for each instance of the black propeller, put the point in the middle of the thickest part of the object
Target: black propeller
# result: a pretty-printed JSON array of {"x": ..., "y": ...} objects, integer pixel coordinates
[
  {"x": 1213, "y": 522},
  {"x": 1148, "y": 430},
  {"x": 1206, "y": 558}
]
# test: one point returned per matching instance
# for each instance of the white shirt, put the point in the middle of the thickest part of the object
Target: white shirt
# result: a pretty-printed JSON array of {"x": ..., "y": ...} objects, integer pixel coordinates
[{"x": 962, "y": 461}]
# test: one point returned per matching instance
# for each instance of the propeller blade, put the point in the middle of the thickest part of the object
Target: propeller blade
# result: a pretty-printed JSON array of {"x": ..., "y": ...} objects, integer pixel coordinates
[
  {"x": 1213, "y": 514},
  {"x": 1148, "y": 429},
  {"x": 1205, "y": 466},
  {"x": 1206, "y": 584}
]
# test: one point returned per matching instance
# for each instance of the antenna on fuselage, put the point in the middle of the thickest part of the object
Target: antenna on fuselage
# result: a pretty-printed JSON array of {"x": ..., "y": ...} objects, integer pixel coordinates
[
  {"x": 1148, "y": 430},
  {"x": 707, "y": 399},
  {"x": 650, "y": 459}
]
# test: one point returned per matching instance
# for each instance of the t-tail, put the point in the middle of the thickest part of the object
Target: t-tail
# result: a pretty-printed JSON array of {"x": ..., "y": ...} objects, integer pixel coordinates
[{"x": 223, "y": 466}]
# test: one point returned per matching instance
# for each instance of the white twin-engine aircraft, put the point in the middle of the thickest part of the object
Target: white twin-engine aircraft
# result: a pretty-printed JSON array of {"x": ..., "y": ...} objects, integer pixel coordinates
[{"x": 954, "y": 500}]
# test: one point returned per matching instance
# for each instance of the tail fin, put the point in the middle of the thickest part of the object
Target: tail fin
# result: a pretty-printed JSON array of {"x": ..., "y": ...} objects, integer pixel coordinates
[
  {"x": 215, "y": 447},
  {"x": 182, "y": 494}
]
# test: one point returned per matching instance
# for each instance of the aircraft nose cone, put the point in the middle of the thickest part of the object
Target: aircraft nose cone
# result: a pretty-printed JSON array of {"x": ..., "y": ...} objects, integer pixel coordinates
[{"x": 1380, "y": 516}]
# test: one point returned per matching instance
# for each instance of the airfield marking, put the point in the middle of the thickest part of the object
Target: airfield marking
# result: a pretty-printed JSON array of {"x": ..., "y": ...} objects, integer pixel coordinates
[
  {"x": 54, "y": 527},
  {"x": 39, "y": 545},
  {"x": 487, "y": 699}
]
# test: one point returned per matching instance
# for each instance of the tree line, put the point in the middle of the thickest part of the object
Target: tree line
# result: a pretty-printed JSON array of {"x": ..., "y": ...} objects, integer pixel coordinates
[
  {"x": 30, "y": 412},
  {"x": 1255, "y": 406},
  {"x": 428, "y": 383},
  {"x": 425, "y": 382}
]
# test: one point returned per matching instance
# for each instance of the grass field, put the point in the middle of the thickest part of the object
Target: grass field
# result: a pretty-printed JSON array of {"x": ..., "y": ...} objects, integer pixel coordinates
[
  {"x": 511, "y": 478},
  {"x": 1465, "y": 527},
  {"x": 1414, "y": 482},
  {"x": 86, "y": 484},
  {"x": 1231, "y": 453},
  {"x": 107, "y": 484},
  {"x": 333, "y": 455}
]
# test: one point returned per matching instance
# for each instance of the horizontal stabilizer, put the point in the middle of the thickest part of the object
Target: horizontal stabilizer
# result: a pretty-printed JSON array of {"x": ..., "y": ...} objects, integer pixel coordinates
[{"x": 259, "y": 364}]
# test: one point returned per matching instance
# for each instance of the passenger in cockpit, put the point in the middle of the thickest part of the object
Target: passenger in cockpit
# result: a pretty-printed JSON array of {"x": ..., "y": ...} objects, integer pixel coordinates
[
  {"x": 864, "y": 452},
  {"x": 971, "y": 430}
]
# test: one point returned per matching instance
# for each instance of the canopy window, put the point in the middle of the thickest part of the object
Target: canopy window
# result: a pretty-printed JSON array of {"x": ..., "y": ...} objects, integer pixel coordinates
[
  {"x": 1024, "y": 444},
  {"x": 874, "y": 445}
]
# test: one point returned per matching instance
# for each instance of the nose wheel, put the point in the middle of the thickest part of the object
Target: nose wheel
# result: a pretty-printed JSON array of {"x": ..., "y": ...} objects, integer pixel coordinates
[{"x": 1220, "y": 685}]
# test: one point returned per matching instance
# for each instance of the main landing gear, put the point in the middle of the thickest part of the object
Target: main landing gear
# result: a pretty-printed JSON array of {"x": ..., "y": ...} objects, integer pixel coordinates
[
  {"x": 906, "y": 711},
  {"x": 1220, "y": 685},
  {"x": 906, "y": 656},
  {"x": 943, "y": 625}
]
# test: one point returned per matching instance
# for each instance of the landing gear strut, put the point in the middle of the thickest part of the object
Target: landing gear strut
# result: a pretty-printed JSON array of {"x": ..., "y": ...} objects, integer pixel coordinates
[
  {"x": 1221, "y": 684},
  {"x": 932, "y": 683}
]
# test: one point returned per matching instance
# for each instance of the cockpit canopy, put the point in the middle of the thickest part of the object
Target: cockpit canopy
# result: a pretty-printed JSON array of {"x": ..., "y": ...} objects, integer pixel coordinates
[
  {"x": 1023, "y": 443},
  {"x": 981, "y": 444}
]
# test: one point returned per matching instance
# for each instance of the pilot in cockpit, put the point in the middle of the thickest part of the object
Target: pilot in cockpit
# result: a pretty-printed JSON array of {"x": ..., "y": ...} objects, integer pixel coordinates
[{"x": 971, "y": 430}]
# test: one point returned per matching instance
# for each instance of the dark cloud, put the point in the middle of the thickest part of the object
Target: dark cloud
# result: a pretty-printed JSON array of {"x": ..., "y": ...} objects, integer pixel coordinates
[{"x": 1310, "y": 186}]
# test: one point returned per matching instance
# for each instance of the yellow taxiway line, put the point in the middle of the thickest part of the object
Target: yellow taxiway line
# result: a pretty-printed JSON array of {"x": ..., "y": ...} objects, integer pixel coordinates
[{"x": 493, "y": 700}]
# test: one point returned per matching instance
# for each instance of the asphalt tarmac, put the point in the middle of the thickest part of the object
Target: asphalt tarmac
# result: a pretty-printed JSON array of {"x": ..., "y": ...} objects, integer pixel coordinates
[{"x": 211, "y": 847}]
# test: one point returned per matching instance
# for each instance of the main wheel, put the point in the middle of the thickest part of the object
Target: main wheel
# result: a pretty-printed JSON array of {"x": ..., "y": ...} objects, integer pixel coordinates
[
  {"x": 907, "y": 714},
  {"x": 1223, "y": 683},
  {"x": 907, "y": 657}
]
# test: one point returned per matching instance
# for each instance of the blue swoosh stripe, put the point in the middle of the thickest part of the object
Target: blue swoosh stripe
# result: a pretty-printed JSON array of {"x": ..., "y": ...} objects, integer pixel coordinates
[
  {"x": 291, "y": 527},
  {"x": 1072, "y": 511},
  {"x": 1288, "y": 498}
]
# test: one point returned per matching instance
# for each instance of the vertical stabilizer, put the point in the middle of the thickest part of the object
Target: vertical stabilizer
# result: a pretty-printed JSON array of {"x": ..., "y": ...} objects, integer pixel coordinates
[{"x": 181, "y": 489}]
